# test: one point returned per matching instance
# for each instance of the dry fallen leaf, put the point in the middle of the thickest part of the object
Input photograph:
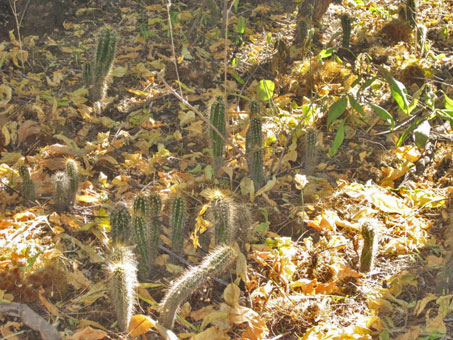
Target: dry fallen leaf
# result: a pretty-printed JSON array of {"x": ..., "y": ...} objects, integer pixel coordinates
[
  {"x": 140, "y": 324},
  {"x": 88, "y": 333}
]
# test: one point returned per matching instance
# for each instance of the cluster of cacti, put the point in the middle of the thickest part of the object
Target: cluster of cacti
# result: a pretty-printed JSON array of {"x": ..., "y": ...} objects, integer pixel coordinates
[
  {"x": 369, "y": 247},
  {"x": 120, "y": 220},
  {"x": 346, "y": 26},
  {"x": 215, "y": 263},
  {"x": 177, "y": 223},
  {"x": 66, "y": 186},
  {"x": 310, "y": 151},
  {"x": 122, "y": 282},
  {"x": 27, "y": 188},
  {"x": 218, "y": 121},
  {"x": 96, "y": 74},
  {"x": 254, "y": 146}
]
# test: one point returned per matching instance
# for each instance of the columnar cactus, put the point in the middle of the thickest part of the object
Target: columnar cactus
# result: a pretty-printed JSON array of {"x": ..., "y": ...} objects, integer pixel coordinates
[
  {"x": 254, "y": 147},
  {"x": 214, "y": 264},
  {"x": 155, "y": 207},
  {"x": 141, "y": 226},
  {"x": 142, "y": 207},
  {"x": 346, "y": 25},
  {"x": 120, "y": 220},
  {"x": 411, "y": 12},
  {"x": 27, "y": 187},
  {"x": 177, "y": 222},
  {"x": 96, "y": 74},
  {"x": 122, "y": 282},
  {"x": 310, "y": 151},
  {"x": 223, "y": 212},
  {"x": 369, "y": 248},
  {"x": 73, "y": 177},
  {"x": 218, "y": 120},
  {"x": 62, "y": 194}
]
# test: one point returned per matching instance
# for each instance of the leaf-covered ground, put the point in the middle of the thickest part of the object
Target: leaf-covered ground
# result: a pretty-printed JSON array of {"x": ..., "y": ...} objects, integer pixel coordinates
[{"x": 339, "y": 155}]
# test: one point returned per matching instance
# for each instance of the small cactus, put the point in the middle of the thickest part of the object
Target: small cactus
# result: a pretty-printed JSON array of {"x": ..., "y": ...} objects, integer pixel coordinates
[
  {"x": 253, "y": 146},
  {"x": 411, "y": 13},
  {"x": 369, "y": 248},
  {"x": 62, "y": 195},
  {"x": 142, "y": 207},
  {"x": 120, "y": 220},
  {"x": 243, "y": 220},
  {"x": 122, "y": 282},
  {"x": 223, "y": 209},
  {"x": 140, "y": 226},
  {"x": 346, "y": 25},
  {"x": 73, "y": 177},
  {"x": 96, "y": 74},
  {"x": 215, "y": 263},
  {"x": 28, "y": 186},
  {"x": 155, "y": 207},
  {"x": 178, "y": 219},
  {"x": 310, "y": 151},
  {"x": 218, "y": 120}
]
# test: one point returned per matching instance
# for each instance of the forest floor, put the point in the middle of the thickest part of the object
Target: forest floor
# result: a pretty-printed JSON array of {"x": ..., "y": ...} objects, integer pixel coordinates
[{"x": 345, "y": 147}]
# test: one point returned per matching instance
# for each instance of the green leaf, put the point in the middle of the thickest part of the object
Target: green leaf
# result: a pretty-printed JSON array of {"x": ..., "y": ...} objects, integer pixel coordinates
[
  {"x": 367, "y": 84},
  {"x": 406, "y": 133},
  {"x": 240, "y": 26},
  {"x": 399, "y": 91},
  {"x": 265, "y": 90},
  {"x": 384, "y": 115},
  {"x": 355, "y": 104},
  {"x": 421, "y": 134},
  {"x": 338, "y": 140},
  {"x": 337, "y": 109},
  {"x": 237, "y": 77},
  {"x": 326, "y": 53},
  {"x": 448, "y": 103}
]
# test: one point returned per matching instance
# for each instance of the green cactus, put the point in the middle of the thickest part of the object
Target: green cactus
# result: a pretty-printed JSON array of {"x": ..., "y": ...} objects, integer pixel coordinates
[
  {"x": 120, "y": 220},
  {"x": 73, "y": 177},
  {"x": 218, "y": 120},
  {"x": 310, "y": 151},
  {"x": 96, "y": 74},
  {"x": 122, "y": 282},
  {"x": 61, "y": 195},
  {"x": 369, "y": 248},
  {"x": 142, "y": 207},
  {"x": 177, "y": 222},
  {"x": 28, "y": 186},
  {"x": 346, "y": 25},
  {"x": 223, "y": 212},
  {"x": 411, "y": 13},
  {"x": 141, "y": 228},
  {"x": 254, "y": 147},
  {"x": 243, "y": 220},
  {"x": 214, "y": 264},
  {"x": 155, "y": 206}
]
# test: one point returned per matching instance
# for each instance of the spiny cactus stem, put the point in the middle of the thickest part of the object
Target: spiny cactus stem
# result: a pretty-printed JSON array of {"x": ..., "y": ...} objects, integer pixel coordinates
[
  {"x": 28, "y": 186},
  {"x": 177, "y": 223},
  {"x": 369, "y": 248},
  {"x": 120, "y": 220}
]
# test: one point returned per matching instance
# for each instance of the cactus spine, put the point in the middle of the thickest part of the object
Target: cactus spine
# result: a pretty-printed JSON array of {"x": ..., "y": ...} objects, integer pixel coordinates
[
  {"x": 253, "y": 145},
  {"x": 97, "y": 73},
  {"x": 310, "y": 151},
  {"x": 223, "y": 215},
  {"x": 123, "y": 281},
  {"x": 28, "y": 187},
  {"x": 140, "y": 226},
  {"x": 214, "y": 264},
  {"x": 73, "y": 178},
  {"x": 369, "y": 248},
  {"x": 120, "y": 220},
  {"x": 142, "y": 207},
  {"x": 178, "y": 218},
  {"x": 218, "y": 120},
  {"x": 346, "y": 25},
  {"x": 155, "y": 207},
  {"x": 61, "y": 197}
]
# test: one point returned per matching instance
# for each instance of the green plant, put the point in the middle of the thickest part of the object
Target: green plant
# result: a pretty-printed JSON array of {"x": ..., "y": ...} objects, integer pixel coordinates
[
  {"x": 254, "y": 147},
  {"x": 346, "y": 26},
  {"x": 310, "y": 151},
  {"x": 222, "y": 209},
  {"x": 214, "y": 264},
  {"x": 61, "y": 195},
  {"x": 155, "y": 206},
  {"x": 177, "y": 222},
  {"x": 120, "y": 220},
  {"x": 122, "y": 282},
  {"x": 142, "y": 207},
  {"x": 218, "y": 120},
  {"x": 369, "y": 248},
  {"x": 96, "y": 74},
  {"x": 140, "y": 226},
  {"x": 28, "y": 186},
  {"x": 73, "y": 177}
]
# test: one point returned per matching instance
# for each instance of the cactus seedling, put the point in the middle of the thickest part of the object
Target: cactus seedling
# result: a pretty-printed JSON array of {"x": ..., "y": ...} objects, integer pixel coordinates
[
  {"x": 178, "y": 219},
  {"x": 155, "y": 207},
  {"x": 97, "y": 73},
  {"x": 369, "y": 248},
  {"x": 214, "y": 264},
  {"x": 142, "y": 207},
  {"x": 120, "y": 220},
  {"x": 140, "y": 226},
  {"x": 218, "y": 120},
  {"x": 61, "y": 197},
  {"x": 223, "y": 216},
  {"x": 253, "y": 145},
  {"x": 123, "y": 281},
  {"x": 73, "y": 177},
  {"x": 27, "y": 187},
  {"x": 346, "y": 25}
]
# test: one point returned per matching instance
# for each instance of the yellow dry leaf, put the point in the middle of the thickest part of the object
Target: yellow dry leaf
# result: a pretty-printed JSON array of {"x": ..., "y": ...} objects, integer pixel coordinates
[
  {"x": 211, "y": 317},
  {"x": 140, "y": 324},
  {"x": 212, "y": 333},
  {"x": 436, "y": 324},
  {"x": 408, "y": 153},
  {"x": 52, "y": 309},
  {"x": 412, "y": 334},
  {"x": 88, "y": 333},
  {"x": 421, "y": 304},
  {"x": 231, "y": 294},
  {"x": 7, "y": 332}
]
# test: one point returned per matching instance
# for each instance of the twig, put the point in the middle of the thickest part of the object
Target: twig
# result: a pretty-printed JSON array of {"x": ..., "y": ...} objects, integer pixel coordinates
[
  {"x": 170, "y": 27},
  {"x": 31, "y": 319}
]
